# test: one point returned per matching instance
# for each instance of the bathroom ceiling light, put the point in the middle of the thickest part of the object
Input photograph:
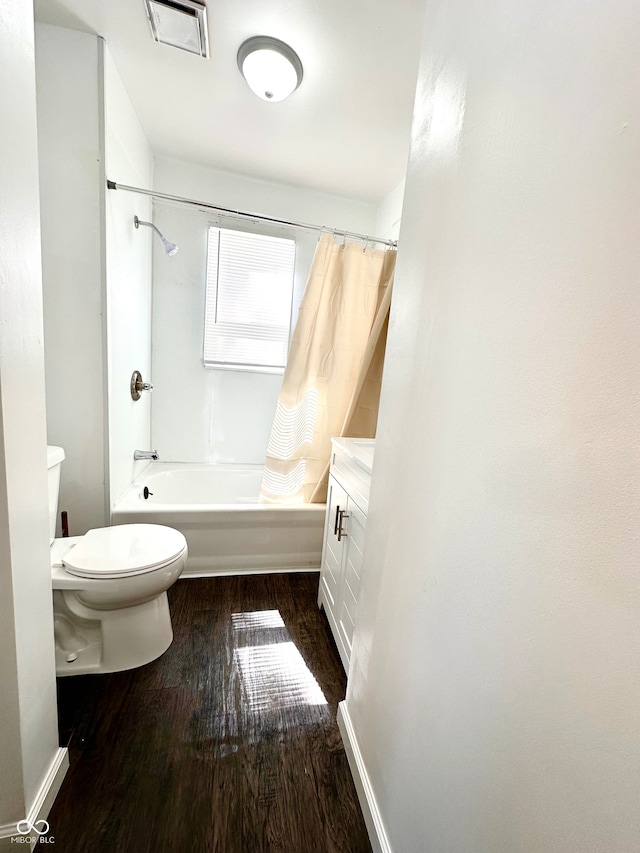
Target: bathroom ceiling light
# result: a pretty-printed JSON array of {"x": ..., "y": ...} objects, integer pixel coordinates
[
  {"x": 179, "y": 23},
  {"x": 271, "y": 68}
]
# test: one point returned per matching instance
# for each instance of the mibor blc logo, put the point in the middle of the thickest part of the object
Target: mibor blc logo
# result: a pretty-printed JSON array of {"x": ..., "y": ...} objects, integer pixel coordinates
[{"x": 32, "y": 833}]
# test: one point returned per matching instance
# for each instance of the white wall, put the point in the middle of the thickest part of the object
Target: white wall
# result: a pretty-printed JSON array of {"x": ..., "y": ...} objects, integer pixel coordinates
[
  {"x": 214, "y": 415},
  {"x": 28, "y": 735},
  {"x": 128, "y": 267},
  {"x": 96, "y": 334},
  {"x": 390, "y": 212},
  {"x": 69, "y": 86},
  {"x": 495, "y": 673}
]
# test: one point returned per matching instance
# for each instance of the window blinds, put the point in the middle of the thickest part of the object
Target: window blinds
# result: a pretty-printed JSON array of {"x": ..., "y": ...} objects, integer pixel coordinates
[{"x": 248, "y": 300}]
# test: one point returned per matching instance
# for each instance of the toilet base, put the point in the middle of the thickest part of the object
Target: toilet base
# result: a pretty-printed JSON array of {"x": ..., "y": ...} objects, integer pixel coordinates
[{"x": 99, "y": 641}]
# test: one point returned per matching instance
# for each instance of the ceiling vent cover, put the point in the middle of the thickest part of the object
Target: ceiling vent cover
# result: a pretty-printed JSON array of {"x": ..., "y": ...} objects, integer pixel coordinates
[{"x": 179, "y": 23}]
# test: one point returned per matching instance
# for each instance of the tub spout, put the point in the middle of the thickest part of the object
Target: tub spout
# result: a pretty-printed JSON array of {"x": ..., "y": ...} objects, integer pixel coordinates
[{"x": 146, "y": 454}]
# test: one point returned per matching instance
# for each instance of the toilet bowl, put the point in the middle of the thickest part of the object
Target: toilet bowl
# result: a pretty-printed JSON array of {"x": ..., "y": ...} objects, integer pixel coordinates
[{"x": 110, "y": 604}]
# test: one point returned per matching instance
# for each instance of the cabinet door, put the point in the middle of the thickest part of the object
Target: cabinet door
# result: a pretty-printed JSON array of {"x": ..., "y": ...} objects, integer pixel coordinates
[
  {"x": 354, "y": 525},
  {"x": 332, "y": 552}
]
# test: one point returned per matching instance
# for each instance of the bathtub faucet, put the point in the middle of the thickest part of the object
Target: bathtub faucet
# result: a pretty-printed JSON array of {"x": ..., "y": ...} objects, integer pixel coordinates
[{"x": 146, "y": 454}]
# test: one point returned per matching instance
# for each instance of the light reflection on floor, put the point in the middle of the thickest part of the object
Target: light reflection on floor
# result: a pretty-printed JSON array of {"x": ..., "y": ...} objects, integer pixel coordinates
[
  {"x": 257, "y": 619},
  {"x": 273, "y": 673}
]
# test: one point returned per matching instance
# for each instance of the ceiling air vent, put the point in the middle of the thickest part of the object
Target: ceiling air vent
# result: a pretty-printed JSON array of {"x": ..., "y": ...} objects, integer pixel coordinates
[{"x": 179, "y": 23}]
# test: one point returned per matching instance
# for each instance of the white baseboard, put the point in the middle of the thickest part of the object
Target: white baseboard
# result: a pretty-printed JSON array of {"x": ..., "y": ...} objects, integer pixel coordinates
[
  {"x": 41, "y": 805},
  {"x": 199, "y": 572},
  {"x": 368, "y": 804}
]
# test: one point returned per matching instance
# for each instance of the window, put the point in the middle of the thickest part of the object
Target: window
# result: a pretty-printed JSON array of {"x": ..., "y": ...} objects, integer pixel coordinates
[{"x": 248, "y": 302}]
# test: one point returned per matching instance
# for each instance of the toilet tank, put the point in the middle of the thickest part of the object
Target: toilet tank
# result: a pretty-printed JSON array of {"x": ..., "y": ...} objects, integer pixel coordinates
[{"x": 55, "y": 455}]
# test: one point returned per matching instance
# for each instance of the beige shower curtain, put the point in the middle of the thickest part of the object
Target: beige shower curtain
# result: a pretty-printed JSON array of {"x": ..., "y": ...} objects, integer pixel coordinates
[{"x": 331, "y": 385}]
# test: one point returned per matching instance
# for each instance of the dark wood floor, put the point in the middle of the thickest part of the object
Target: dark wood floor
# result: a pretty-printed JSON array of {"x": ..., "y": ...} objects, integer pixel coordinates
[{"x": 226, "y": 744}]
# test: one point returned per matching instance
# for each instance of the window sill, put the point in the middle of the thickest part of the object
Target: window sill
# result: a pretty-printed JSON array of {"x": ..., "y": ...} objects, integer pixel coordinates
[{"x": 245, "y": 368}]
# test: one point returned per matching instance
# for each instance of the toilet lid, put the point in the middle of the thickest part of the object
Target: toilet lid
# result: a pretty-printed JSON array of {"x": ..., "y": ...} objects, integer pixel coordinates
[{"x": 124, "y": 550}]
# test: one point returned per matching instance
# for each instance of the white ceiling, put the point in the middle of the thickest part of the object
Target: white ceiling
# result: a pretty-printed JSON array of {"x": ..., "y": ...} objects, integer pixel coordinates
[{"x": 345, "y": 130}]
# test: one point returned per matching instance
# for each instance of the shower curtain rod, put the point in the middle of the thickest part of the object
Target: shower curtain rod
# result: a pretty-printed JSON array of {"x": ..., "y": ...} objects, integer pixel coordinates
[{"x": 243, "y": 214}]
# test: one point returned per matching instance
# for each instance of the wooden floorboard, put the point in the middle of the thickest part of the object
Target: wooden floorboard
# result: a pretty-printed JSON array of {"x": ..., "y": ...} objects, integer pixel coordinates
[{"x": 228, "y": 743}]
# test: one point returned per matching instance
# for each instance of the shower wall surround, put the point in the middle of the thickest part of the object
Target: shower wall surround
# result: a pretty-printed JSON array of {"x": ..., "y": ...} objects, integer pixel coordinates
[
  {"x": 206, "y": 414},
  {"x": 128, "y": 268},
  {"x": 96, "y": 269}
]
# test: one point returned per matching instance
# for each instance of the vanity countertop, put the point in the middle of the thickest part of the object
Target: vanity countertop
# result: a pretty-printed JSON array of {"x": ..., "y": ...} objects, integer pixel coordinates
[{"x": 359, "y": 449}]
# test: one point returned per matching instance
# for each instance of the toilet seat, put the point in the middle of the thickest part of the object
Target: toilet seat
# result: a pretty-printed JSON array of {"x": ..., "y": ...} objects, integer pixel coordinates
[{"x": 124, "y": 550}]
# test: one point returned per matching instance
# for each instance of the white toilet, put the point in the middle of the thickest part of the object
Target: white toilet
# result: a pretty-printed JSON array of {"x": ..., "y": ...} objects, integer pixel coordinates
[{"x": 109, "y": 590}]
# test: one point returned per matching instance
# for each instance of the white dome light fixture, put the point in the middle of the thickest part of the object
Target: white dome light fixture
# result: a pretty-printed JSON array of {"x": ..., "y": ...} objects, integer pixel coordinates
[{"x": 271, "y": 68}]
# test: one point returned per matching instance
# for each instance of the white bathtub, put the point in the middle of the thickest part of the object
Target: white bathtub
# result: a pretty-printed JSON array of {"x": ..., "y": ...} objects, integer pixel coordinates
[{"x": 228, "y": 532}]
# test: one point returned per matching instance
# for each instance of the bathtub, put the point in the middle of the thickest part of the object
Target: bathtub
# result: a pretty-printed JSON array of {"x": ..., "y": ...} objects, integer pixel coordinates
[{"x": 228, "y": 532}]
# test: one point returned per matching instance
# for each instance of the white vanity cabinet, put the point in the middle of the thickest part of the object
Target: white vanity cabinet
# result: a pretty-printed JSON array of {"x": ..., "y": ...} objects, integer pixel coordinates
[{"x": 346, "y": 519}]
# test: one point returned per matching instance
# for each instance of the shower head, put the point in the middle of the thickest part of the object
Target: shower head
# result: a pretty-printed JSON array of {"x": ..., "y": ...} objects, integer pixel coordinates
[{"x": 169, "y": 247}]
